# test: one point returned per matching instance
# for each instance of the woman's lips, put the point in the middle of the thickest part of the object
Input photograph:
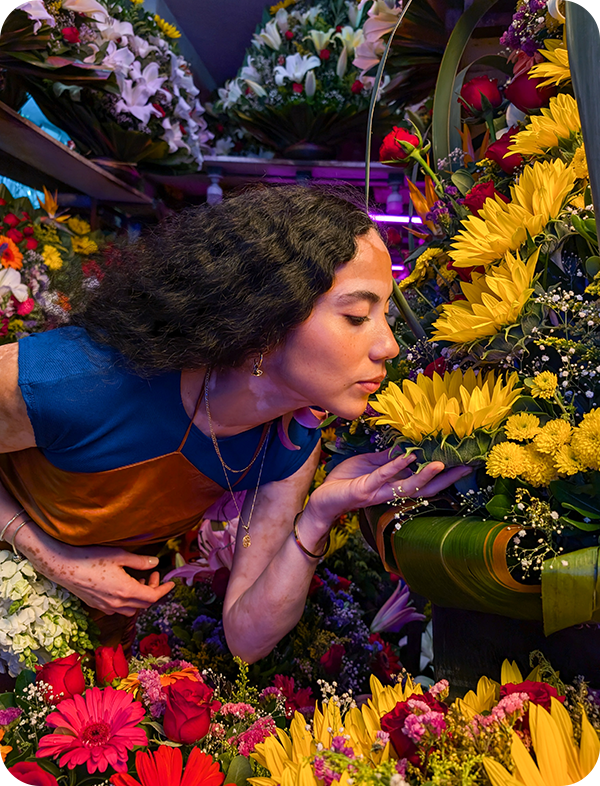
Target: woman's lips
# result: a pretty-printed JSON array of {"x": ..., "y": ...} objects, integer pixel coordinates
[{"x": 370, "y": 385}]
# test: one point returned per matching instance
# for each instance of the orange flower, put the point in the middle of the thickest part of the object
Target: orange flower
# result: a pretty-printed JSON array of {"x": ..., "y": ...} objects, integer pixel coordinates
[
  {"x": 4, "y": 749},
  {"x": 10, "y": 256}
]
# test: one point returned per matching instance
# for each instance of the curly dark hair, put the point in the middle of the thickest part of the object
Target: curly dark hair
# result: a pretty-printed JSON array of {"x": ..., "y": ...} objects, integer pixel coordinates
[{"x": 217, "y": 285}]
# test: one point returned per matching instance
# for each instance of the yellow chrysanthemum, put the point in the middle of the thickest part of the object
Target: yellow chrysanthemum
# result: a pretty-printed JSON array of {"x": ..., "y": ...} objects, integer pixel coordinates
[
  {"x": 169, "y": 30},
  {"x": 522, "y": 426},
  {"x": 453, "y": 404},
  {"x": 544, "y": 385},
  {"x": 423, "y": 269},
  {"x": 493, "y": 300},
  {"x": 52, "y": 258},
  {"x": 505, "y": 460},
  {"x": 538, "y": 468},
  {"x": 539, "y": 196},
  {"x": 579, "y": 164},
  {"x": 565, "y": 461},
  {"x": 586, "y": 440},
  {"x": 553, "y": 436},
  {"x": 556, "y": 71},
  {"x": 83, "y": 245},
  {"x": 557, "y": 122},
  {"x": 78, "y": 225}
]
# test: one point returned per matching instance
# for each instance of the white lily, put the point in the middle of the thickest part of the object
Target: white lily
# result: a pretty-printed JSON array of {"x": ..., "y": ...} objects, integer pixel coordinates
[
  {"x": 230, "y": 94},
  {"x": 147, "y": 78},
  {"x": 269, "y": 36},
  {"x": 87, "y": 8},
  {"x": 342, "y": 63},
  {"x": 249, "y": 71},
  {"x": 320, "y": 40},
  {"x": 173, "y": 135},
  {"x": 355, "y": 12},
  {"x": 119, "y": 59},
  {"x": 134, "y": 101},
  {"x": 140, "y": 47},
  {"x": 308, "y": 17},
  {"x": 367, "y": 55},
  {"x": 113, "y": 30},
  {"x": 10, "y": 281},
  {"x": 281, "y": 19},
  {"x": 257, "y": 89},
  {"x": 311, "y": 84},
  {"x": 350, "y": 38},
  {"x": 296, "y": 68},
  {"x": 36, "y": 11}
]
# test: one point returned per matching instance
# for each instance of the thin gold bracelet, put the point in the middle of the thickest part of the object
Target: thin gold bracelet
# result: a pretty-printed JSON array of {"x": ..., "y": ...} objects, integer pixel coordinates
[
  {"x": 18, "y": 529},
  {"x": 6, "y": 526},
  {"x": 304, "y": 549}
]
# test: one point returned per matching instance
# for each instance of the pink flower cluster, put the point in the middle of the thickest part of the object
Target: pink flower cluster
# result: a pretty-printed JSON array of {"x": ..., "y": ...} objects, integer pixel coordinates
[
  {"x": 421, "y": 720},
  {"x": 339, "y": 745},
  {"x": 154, "y": 695},
  {"x": 325, "y": 773},
  {"x": 238, "y": 710},
  {"x": 440, "y": 688},
  {"x": 258, "y": 732},
  {"x": 513, "y": 704}
]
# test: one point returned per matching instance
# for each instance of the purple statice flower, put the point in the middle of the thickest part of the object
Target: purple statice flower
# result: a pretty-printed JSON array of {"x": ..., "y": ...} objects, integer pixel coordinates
[
  {"x": 439, "y": 214},
  {"x": 270, "y": 691},
  {"x": 258, "y": 732},
  {"x": 202, "y": 620},
  {"x": 415, "y": 726},
  {"x": 217, "y": 638},
  {"x": 526, "y": 29},
  {"x": 339, "y": 745},
  {"x": 9, "y": 715},
  {"x": 152, "y": 691},
  {"x": 172, "y": 665},
  {"x": 451, "y": 191}
]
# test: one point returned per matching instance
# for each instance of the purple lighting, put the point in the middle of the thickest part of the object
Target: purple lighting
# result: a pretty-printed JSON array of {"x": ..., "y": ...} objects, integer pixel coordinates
[{"x": 386, "y": 218}]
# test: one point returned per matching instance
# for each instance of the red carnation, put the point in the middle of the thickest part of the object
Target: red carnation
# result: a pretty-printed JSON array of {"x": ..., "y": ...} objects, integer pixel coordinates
[
  {"x": 539, "y": 692},
  {"x": 391, "y": 151},
  {"x": 526, "y": 94},
  {"x": 31, "y": 244},
  {"x": 477, "y": 196},
  {"x": 156, "y": 644},
  {"x": 357, "y": 86},
  {"x": 324, "y": 54},
  {"x": 295, "y": 700},
  {"x": 332, "y": 659},
  {"x": 297, "y": 87},
  {"x": 71, "y": 35},
  {"x": 473, "y": 90},
  {"x": 63, "y": 678},
  {"x": 11, "y": 220},
  {"x": 498, "y": 150}
]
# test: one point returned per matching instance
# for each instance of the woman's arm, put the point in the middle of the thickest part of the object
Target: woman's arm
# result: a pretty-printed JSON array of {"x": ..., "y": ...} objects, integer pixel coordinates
[
  {"x": 16, "y": 431},
  {"x": 269, "y": 582}
]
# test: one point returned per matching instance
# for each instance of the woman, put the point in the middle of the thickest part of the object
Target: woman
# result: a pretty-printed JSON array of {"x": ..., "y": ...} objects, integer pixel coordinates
[{"x": 174, "y": 387}]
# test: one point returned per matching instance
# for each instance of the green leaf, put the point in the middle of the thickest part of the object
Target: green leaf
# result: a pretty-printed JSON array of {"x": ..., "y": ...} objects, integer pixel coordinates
[
  {"x": 570, "y": 589},
  {"x": 585, "y": 526},
  {"x": 239, "y": 771},
  {"x": 583, "y": 511},
  {"x": 499, "y": 506},
  {"x": 463, "y": 180},
  {"x": 592, "y": 266},
  {"x": 7, "y": 700},
  {"x": 25, "y": 678},
  {"x": 571, "y": 496}
]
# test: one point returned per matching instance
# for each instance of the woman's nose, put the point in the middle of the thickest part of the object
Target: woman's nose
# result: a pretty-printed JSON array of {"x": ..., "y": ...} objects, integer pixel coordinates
[{"x": 385, "y": 347}]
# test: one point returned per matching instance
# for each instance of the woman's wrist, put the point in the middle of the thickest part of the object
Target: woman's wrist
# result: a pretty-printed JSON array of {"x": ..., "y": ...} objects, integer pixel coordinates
[{"x": 312, "y": 528}]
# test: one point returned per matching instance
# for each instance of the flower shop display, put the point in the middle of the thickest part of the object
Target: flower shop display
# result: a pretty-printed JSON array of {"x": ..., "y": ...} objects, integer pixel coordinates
[
  {"x": 500, "y": 369},
  {"x": 145, "y": 109}
]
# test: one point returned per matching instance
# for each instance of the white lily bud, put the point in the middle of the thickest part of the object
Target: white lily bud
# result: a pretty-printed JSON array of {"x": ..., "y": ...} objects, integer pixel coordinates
[
  {"x": 281, "y": 19},
  {"x": 342, "y": 64},
  {"x": 310, "y": 84},
  {"x": 257, "y": 89}
]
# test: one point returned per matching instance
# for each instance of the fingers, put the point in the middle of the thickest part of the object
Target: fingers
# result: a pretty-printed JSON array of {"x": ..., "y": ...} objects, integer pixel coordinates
[
  {"x": 443, "y": 480},
  {"x": 136, "y": 561},
  {"x": 154, "y": 580}
]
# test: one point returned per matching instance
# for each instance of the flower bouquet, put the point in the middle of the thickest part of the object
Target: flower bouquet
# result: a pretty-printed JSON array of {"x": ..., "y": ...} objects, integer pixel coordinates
[
  {"x": 298, "y": 92},
  {"x": 147, "y": 112}
]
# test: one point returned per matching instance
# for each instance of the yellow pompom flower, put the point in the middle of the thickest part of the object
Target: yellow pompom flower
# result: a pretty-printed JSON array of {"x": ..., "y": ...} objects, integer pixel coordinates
[
  {"x": 506, "y": 460},
  {"x": 538, "y": 468},
  {"x": 565, "y": 461},
  {"x": 539, "y": 196},
  {"x": 52, "y": 258},
  {"x": 169, "y": 30},
  {"x": 79, "y": 226},
  {"x": 83, "y": 245},
  {"x": 440, "y": 406},
  {"x": 522, "y": 426},
  {"x": 579, "y": 164},
  {"x": 553, "y": 436},
  {"x": 494, "y": 300},
  {"x": 557, "y": 122},
  {"x": 586, "y": 440},
  {"x": 544, "y": 385},
  {"x": 423, "y": 269},
  {"x": 556, "y": 70}
]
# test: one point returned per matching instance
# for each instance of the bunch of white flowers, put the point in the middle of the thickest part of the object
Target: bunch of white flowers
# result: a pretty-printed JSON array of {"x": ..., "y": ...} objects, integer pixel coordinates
[{"x": 39, "y": 621}]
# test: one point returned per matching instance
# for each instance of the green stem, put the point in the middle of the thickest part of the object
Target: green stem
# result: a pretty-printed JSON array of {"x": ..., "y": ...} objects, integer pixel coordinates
[
  {"x": 407, "y": 312},
  {"x": 489, "y": 121},
  {"x": 416, "y": 155}
]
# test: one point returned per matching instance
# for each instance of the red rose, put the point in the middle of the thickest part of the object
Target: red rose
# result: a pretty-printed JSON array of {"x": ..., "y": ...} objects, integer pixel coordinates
[
  {"x": 31, "y": 244},
  {"x": 332, "y": 659},
  {"x": 3, "y": 326},
  {"x": 324, "y": 54},
  {"x": 63, "y": 676},
  {"x": 11, "y": 220},
  {"x": 315, "y": 584},
  {"x": 437, "y": 366},
  {"x": 71, "y": 35},
  {"x": 30, "y": 772},
  {"x": 342, "y": 584},
  {"x": 289, "y": 35},
  {"x": 393, "y": 723},
  {"x": 473, "y": 90},
  {"x": 28, "y": 231},
  {"x": 524, "y": 92},
  {"x": 189, "y": 706},
  {"x": 111, "y": 664},
  {"x": 2, "y": 201},
  {"x": 391, "y": 151},
  {"x": 26, "y": 307},
  {"x": 15, "y": 235},
  {"x": 297, "y": 87},
  {"x": 25, "y": 216},
  {"x": 498, "y": 150},
  {"x": 219, "y": 582},
  {"x": 476, "y": 197},
  {"x": 385, "y": 662},
  {"x": 357, "y": 87},
  {"x": 156, "y": 644},
  {"x": 539, "y": 692}
]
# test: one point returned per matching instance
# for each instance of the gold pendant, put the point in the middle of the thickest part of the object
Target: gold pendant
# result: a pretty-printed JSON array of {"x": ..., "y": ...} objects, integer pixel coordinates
[{"x": 246, "y": 542}]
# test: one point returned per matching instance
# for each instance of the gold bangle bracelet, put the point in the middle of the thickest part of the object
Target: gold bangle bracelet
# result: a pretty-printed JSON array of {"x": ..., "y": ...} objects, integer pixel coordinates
[
  {"x": 6, "y": 526},
  {"x": 17, "y": 530},
  {"x": 304, "y": 549}
]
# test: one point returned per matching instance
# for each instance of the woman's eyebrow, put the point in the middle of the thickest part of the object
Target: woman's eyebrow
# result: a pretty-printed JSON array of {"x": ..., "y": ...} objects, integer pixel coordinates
[{"x": 359, "y": 294}]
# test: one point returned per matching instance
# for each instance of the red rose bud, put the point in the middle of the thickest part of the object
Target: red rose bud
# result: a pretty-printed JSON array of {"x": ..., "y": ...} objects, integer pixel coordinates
[
  {"x": 477, "y": 196},
  {"x": 28, "y": 231},
  {"x": 357, "y": 86},
  {"x": 524, "y": 92},
  {"x": 394, "y": 238},
  {"x": 111, "y": 664},
  {"x": 31, "y": 244},
  {"x": 438, "y": 366},
  {"x": 11, "y": 220},
  {"x": 71, "y": 35},
  {"x": 188, "y": 712},
  {"x": 63, "y": 677},
  {"x": 498, "y": 150},
  {"x": 473, "y": 90},
  {"x": 25, "y": 216},
  {"x": 30, "y": 772},
  {"x": 391, "y": 151},
  {"x": 289, "y": 35},
  {"x": 332, "y": 659},
  {"x": 338, "y": 29},
  {"x": 297, "y": 87},
  {"x": 2, "y": 201},
  {"x": 315, "y": 584},
  {"x": 156, "y": 644},
  {"x": 15, "y": 235},
  {"x": 26, "y": 307},
  {"x": 342, "y": 584},
  {"x": 324, "y": 54}
]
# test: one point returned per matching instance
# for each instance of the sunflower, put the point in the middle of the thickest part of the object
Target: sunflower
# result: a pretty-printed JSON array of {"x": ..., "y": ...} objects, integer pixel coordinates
[
  {"x": 493, "y": 300},
  {"x": 544, "y": 385},
  {"x": 580, "y": 166},
  {"x": 440, "y": 406},
  {"x": 539, "y": 196},
  {"x": 553, "y": 436},
  {"x": 556, "y": 70},
  {"x": 78, "y": 225},
  {"x": 522, "y": 426},
  {"x": 83, "y": 245},
  {"x": 558, "y": 122},
  {"x": 505, "y": 460},
  {"x": 169, "y": 30}
]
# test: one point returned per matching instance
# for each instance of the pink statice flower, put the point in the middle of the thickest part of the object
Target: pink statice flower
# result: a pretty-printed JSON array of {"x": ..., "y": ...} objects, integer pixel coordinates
[
  {"x": 339, "y": 744},
  {"x": 401, "y": 767},
  {"x": 97, "y": 729},
  {"x": 9, "y": 715},
  {"x": 415, "y": 726},
  {"x": 238, "y": 710},
  {"x": 153, "y": 692},
  {"x": 258, "y": 732},
  {"x": 381, "y": 739},
  {"x": 512, "y": 707}
]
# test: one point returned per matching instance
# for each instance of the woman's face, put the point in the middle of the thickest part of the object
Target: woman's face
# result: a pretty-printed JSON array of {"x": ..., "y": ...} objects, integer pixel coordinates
[{"x": 336, "y": 358}]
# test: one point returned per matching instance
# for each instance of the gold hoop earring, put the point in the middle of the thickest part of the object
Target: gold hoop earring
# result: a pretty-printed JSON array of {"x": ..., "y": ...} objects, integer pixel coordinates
[{"x": 257, "y": 370}]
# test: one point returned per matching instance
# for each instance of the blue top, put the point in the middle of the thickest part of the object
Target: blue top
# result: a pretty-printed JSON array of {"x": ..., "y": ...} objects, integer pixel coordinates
[{"x": 90, "y": 413}]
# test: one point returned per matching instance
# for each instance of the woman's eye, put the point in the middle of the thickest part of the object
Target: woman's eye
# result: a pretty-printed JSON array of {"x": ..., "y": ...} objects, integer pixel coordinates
[{"x": 356, "y": 320}]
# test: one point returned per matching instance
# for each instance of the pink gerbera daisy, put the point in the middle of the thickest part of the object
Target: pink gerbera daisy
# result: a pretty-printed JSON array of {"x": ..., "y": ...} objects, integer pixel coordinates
[{"x": 97, "y": 729}]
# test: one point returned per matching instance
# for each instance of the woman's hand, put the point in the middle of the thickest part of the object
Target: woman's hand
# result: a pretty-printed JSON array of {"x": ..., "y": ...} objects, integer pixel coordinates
[{"x": 371, "y": 479}]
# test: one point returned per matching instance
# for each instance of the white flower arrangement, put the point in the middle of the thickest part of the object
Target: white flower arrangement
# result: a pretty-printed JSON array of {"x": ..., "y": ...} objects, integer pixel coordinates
[{"x": 39, "y": 620}]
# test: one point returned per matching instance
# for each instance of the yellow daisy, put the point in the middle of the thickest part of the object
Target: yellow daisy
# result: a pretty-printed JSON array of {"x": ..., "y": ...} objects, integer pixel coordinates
[
  {"x": 538, "y": 468},
  {"x": 539, "y": 196},
  {"x": 522, "y": 426},
  {"x": 78, "y": 225},
  {"x": 586, "y": 440},
  {"x": 83, "y": 245},
  {"x": 544, "y": 385},
  {"x": 553, "y": 436},
  {"x": 52, "y": 258},
  {"x": 557, "y": 122},
  {"x": 556, "y": 71},
  {"x": 505, "y": 460},
  {"x": 565, "y": 461},
  {"x": 453, "y": 404},
  {"x": 493, "y": 300}
]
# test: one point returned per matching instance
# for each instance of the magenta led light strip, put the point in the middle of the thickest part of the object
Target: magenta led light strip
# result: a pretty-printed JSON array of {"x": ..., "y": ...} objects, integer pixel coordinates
[{"x": 384, "y": 218}]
